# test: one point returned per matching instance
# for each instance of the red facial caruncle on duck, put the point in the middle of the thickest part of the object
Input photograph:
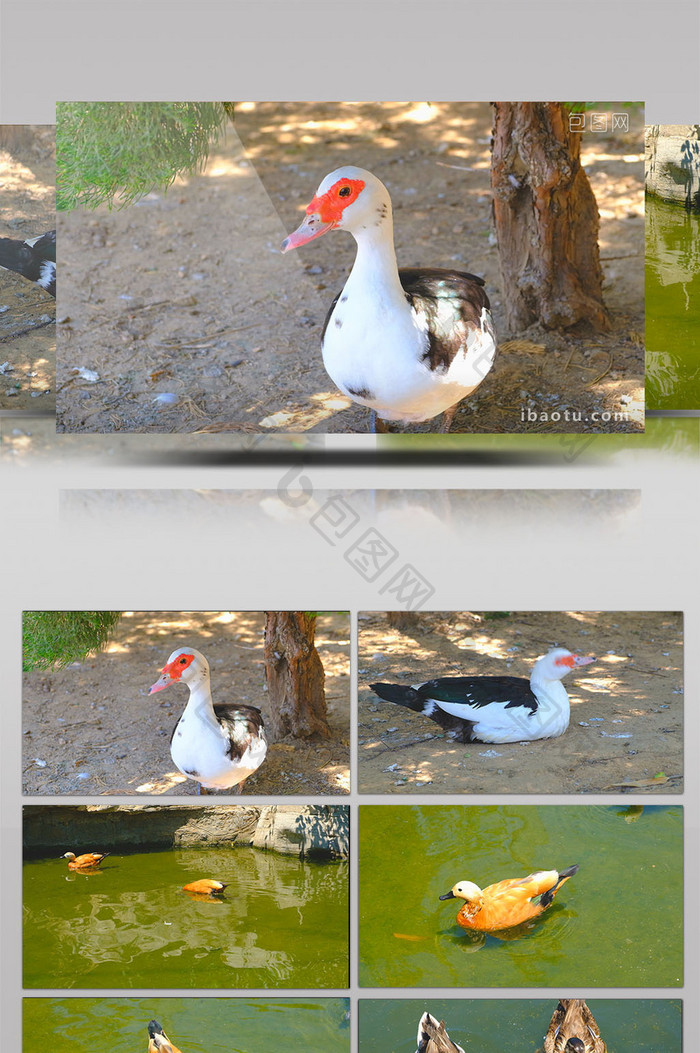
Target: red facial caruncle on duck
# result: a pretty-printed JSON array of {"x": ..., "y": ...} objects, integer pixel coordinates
[
  {"x": 331, "y": 205},
  {"x": 325, "y": 212},
  {"x": 173, "y": 672},
  {"x": 177, "y": 668}
]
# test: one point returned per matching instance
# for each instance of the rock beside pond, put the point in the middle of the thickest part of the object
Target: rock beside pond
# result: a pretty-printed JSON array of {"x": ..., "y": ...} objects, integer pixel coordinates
[
  {"x": 307, "y": 831},
  {"x": 310, "y": 831},
  {"x": 672, "y": 162}
]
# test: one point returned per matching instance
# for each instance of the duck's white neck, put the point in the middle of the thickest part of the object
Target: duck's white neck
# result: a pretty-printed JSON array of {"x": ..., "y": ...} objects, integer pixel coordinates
[
  {"x": 200, "y": 700},
  {"x": 548, "y": 691},
  {"x": 375, "y": 261}
]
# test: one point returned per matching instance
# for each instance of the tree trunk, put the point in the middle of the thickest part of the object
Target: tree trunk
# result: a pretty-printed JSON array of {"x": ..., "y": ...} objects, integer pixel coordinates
[
  {"x": 404, "y": 621},
  {"x": 546, "y": 219},
  {"x": 295, "y": 677}
]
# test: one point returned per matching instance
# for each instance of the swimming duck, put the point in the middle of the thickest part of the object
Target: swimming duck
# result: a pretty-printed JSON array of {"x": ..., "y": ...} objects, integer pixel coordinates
[
  {"x": 34, "y": 259},
  {"x": 205, "y": 887},
  {"x": 509, "y": 902},
  {"x": 88, "y": 861},
  {"x": 433, "y": 1038},
  {"x": 158, "y": 1041},
  {"x": 409, "y": 344},
  {"x": 217, "y": 746},
  {"x": 495, "y": 708},
  {"x": 573, "y": 1029}
]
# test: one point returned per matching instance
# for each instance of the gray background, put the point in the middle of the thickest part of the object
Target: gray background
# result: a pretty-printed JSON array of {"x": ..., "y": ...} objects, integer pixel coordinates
[{"x": 66, "y": 545}]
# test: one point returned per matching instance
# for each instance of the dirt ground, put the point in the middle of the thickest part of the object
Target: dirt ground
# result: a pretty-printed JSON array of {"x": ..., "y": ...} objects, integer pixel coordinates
[
  {"x": 27, "y": 313},
  {"x": 626, "y": 709},
  {"x": 186, "y": 295},
  {"x": 92, "y": 728}
]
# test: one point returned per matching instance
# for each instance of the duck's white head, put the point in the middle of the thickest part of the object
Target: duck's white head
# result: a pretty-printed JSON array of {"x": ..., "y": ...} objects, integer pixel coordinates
[
  {"x": 557, "y": 663},
  {"x": 185, "y": 666},
  {"x": 348, "y": 199},
  {"x": 464, "y": 890}
]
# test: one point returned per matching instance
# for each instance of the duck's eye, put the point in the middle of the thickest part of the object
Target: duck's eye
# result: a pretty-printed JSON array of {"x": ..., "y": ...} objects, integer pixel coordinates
[
  {"x": 344, "y": 191},
  {"x": 183, "y": 661}
]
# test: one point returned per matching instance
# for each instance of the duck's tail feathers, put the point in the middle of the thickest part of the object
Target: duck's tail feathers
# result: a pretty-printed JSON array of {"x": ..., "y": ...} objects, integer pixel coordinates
[
  {"x": 564, "y": 875},
  {"x": 462, "y": 730}
]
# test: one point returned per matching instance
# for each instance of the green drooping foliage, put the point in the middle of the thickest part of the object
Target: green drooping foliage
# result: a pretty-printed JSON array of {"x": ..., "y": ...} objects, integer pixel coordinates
[
  {"x": 58, "y": 637},
  {"x": 116, "y": 152}
]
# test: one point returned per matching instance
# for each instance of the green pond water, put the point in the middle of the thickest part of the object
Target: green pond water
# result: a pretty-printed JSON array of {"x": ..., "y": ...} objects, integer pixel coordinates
[
  {"x": 492, "y": 1025},
  {"x": 194, "y": 1025},
  {"x": 281, "y": 922},
  {"x": 617, "y": 923},
  {"x": 672, "y": 306}
]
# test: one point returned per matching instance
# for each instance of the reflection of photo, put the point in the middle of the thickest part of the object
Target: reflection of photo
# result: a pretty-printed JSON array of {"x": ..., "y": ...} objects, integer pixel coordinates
[{"x": 425, "y": 235}]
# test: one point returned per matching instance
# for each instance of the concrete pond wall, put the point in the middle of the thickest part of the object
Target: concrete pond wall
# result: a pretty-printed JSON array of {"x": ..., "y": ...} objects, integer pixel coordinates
[
  {"x": 306, "y": 831},
  {"x": 672, "y": 163}
]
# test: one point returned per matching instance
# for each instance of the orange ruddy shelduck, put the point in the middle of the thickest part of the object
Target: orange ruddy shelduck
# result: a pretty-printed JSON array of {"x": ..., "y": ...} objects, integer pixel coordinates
[
  {"x": 158, "y": 1041},
  {"x": 88, "y": 861},
  {"x": 205, "y": 887},
  {"x": 509, "y": 902}
]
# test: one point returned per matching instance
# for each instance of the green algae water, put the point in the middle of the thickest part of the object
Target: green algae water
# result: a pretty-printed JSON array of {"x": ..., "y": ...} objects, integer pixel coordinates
[
  {"x": 672, "y": 306},
  {"x": 280, "y": 923},
  {"x": 617, "y": 923},
  {"x": 492, "y": 1025},
  {"x": 194, "y": 1025}
]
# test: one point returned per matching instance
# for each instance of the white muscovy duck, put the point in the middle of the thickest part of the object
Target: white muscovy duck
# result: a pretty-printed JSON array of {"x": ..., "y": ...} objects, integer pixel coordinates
[
  {"x": 409, "y": 344},
  {"x": 34, "y": 259},
  {"x": 217, "y": 746},
  {"x": 495, "y": 708}
]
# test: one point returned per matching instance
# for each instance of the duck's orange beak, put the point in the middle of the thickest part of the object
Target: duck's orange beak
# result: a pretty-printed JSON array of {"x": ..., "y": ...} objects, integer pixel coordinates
[
  {"x": 312, "y": 227},
  {"x": 162, "y": 682}
]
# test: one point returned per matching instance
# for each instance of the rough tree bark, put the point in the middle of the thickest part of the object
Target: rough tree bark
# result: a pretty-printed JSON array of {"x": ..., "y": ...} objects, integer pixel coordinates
[
  {"x": 404, "y": 621},
  {"x": 295, "y": 677},
  {"x": 546, "y": 219}
]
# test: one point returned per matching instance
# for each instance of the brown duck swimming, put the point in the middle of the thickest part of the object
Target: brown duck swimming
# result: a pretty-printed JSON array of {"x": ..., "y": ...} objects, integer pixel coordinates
[
  {"x": 88, "y": 861},
  {"x": 573, "y": 1029},
  {"x": 433, "y": 1038}
]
